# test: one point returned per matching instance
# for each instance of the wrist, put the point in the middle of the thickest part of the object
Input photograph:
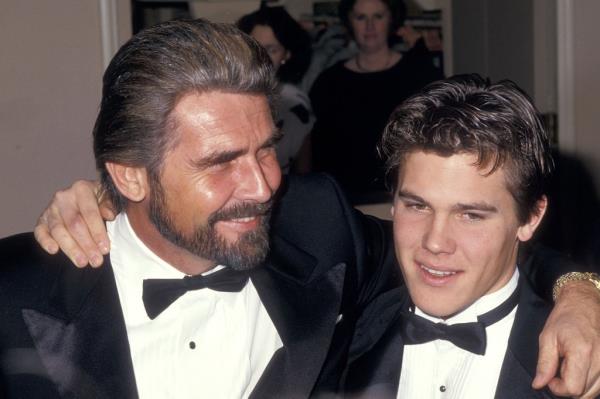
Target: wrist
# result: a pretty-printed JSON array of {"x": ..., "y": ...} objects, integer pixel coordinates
[{"x": 576, "y": 281}]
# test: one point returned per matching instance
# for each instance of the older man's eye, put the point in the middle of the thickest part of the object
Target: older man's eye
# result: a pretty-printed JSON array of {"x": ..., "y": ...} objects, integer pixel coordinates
[
  {"x": 266, "y": 153},
  {"x": 217, "y": 167}
]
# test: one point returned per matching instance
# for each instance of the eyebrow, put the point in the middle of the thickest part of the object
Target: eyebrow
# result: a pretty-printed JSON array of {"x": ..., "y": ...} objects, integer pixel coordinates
[
  {"x": 275, "y": 138},
  {"x": 476, "y": 206},
  {"x": 217, "y": 158},
  {"x": 221, "y": 157},
  {"x": 460, "y": 207},
  {"x": 406, "y": 195}
]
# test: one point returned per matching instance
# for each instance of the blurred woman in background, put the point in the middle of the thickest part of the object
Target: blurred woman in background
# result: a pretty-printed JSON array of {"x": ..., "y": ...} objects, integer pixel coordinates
[
  {"x": 353, "y": 99},
  {"x": 288, "y": 45}
]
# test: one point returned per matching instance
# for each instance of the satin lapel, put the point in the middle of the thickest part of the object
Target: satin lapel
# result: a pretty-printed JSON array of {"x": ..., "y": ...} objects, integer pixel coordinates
[
  {"x": 82, "y": 341},
  {"x": 518, "y": 368},
  {"x": 515, "y": 381},
  {"x": 376, "y": 373},
  {"x": 304, "y": 309}
]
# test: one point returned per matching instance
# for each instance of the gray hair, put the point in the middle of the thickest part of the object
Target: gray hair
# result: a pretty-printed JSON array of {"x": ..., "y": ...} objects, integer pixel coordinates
[{"x": 152, "y": 72}]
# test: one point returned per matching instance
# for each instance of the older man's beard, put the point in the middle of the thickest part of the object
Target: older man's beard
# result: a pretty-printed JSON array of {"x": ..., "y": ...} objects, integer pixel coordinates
[{"x": 247, "y": 252}]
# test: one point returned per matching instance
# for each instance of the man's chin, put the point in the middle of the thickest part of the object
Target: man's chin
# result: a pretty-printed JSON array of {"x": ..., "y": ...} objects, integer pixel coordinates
[
  {"x": 243, "y": 260},
  {"x": 246, "y": 251}
]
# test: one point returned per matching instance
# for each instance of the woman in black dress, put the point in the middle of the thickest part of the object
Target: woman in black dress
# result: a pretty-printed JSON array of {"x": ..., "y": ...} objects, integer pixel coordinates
[{"x": 353, "y": 99}]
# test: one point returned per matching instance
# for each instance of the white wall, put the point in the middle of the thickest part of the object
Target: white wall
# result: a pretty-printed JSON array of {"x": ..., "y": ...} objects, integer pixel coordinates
[
  {"x": 579, "y": 82},
  {"x": 495, "y": 39},
  {"x": 50, "y": 70},
  {"x": 586, "y": 84}
]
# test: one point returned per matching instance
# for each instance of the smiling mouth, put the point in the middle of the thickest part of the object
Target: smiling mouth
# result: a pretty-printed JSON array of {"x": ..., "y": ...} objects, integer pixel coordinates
[
  {"x": 437, "y": 273},
  {"x": 243, "y": 224},
  {"x": 244, "y": 220}
]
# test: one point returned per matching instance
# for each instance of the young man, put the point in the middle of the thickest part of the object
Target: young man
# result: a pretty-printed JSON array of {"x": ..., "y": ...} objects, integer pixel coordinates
[{"x": 470, "y": 161}]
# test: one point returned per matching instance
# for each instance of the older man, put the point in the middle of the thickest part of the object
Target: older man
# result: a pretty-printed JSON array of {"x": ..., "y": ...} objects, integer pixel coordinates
[{"x": 184, "y": 143}]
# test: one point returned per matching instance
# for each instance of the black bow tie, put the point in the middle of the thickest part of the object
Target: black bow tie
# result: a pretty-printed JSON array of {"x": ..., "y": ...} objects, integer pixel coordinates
[
  {"x": 159, "y": 294},
  {"x": 468, "y": 336}
]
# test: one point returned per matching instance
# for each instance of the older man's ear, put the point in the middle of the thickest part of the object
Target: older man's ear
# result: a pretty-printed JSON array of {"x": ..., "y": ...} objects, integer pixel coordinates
[{"x": 132, "y": 182}]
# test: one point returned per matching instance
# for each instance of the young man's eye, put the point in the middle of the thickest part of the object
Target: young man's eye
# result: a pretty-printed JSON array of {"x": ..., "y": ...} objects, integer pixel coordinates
[
  {"x": 471, "y": 216},
  {"x": 416, "y": 207}
]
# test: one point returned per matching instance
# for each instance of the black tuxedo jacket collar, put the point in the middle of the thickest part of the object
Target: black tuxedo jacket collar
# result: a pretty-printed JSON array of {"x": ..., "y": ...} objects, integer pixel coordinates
[
  {"x": 80, "y": 335},
  {"x": 302, "y": 295},
  {"x": 81, "y": 338},
  {"x": 520, "y": 361},
  {"x": 376, "y": 373}
]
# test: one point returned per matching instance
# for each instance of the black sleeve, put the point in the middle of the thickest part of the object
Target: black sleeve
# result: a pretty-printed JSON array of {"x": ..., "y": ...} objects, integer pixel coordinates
[
  {"x": 380, "y": 263},
  {"x": 543, "y": 266}
]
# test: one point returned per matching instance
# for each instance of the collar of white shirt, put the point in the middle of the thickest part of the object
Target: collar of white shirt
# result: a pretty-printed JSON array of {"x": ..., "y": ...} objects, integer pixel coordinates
[
  {"x": 206, "y": 344},
  {"x": 480, "y": 306},
  {"x": 440, "y": 370}
]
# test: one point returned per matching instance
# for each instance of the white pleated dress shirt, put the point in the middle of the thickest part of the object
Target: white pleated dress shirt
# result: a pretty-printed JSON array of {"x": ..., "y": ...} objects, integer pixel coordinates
[
  {"x": 441, "y": 370},
  {"x": 207, "y": 344}
]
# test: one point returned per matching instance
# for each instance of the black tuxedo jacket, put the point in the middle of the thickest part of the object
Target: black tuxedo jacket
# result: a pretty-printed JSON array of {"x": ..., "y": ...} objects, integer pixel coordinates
[
  {"x": 374, "y": 373},
  {"x": 62, "y": 332}
]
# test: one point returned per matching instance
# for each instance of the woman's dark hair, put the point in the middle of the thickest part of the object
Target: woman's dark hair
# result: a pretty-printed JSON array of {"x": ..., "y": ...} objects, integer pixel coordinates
[
  {"x": 397, "y": 14},
  {"x": 289, "y": 33},
  {"x": 467, "y": 114}
]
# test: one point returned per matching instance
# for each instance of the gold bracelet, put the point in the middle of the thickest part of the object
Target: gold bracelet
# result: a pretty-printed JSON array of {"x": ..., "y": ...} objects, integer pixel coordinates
[{"x": 574, "y": 276}]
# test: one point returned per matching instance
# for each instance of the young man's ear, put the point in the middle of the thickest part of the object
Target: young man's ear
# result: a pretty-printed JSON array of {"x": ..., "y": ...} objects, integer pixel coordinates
[
  {"x": 526, "y": 231},
  {"x": 132, "y": 182}
]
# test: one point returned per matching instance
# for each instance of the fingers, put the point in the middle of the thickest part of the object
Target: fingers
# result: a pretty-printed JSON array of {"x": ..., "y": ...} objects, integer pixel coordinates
[
  {"x": 72, "y": 248},
  {"x": 74, "y": 223},
  {"x": 103, "y": 200},
  {"x": 593, "y": 391},
  {"x": 593, "y": 381},
  {"x": 51, "y": 234},
  {"x": 107, "y": 213},
  {"x": 86, "y": 235},
  {"x": 572, "y": 333},
  {"x": 572, "y": 380},
  {"x": 43, "y": 237},
  {"x": 548, "y": 361},
  {"x": 93, "y": 216}
]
